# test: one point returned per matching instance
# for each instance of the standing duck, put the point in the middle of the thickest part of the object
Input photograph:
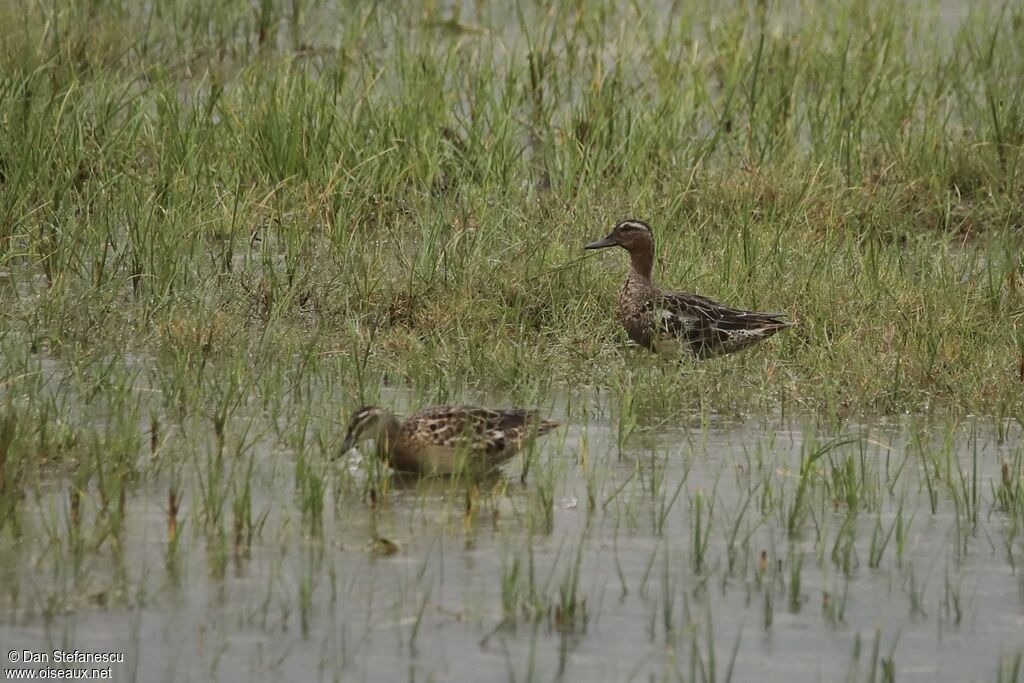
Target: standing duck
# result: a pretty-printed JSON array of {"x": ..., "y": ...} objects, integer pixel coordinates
[
  {"x": 444, "y": 439},
  {"x": 664, "y": 322}
]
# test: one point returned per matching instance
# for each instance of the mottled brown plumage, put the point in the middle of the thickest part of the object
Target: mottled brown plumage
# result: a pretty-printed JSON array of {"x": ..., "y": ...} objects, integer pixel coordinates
[
  {"x": 665, "y": 322},
  {"x": 444, "y": 439}
]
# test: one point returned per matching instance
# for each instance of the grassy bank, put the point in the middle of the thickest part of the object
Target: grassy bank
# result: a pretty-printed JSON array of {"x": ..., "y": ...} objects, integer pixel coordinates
[
  {"x": 224, "y": 225},
  {"x": 248, "y": 191}
]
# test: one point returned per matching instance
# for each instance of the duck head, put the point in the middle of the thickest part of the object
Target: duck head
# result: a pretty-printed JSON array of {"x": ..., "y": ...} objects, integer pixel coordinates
[
  {"x": 629, "y": 234},
  {"x": 369, "y": 422},
  {"x": 635, "y": 237}
]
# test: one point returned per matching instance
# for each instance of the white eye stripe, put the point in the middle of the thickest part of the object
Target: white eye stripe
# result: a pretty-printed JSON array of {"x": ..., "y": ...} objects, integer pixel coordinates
[{"x": 364, "y": 414}]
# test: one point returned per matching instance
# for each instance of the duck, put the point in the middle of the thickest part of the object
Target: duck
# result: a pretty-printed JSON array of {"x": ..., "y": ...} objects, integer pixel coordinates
[
  {"x": 668, "y": 322},
  {"x": 443, "y": 440}
]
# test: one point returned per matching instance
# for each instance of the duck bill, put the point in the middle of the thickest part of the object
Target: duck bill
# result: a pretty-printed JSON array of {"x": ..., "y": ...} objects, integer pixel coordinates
[
  {"x": 602, "y": 244},
  {"x": 348, "y": 444}
]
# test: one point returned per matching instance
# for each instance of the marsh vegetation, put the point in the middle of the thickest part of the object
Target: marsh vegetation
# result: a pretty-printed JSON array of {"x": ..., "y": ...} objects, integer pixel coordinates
[{"x": 224, "y": 226}]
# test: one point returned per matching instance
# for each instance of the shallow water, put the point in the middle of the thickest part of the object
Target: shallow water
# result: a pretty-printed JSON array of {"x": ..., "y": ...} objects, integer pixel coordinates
[
  {"x": 673, "y": 555},
  {"x": 944, "y": 601}
]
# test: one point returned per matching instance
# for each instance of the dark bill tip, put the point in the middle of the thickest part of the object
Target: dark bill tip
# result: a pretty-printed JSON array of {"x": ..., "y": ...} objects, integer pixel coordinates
[
  {"x": 346, "y": 446},
  {"x": 601, "y": 244}
]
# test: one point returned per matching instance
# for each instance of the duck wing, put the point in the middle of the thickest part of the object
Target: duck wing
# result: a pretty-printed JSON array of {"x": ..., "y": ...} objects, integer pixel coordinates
[
  {"x": 476, "y": 429},
  {"x": 709, "y": 327}
]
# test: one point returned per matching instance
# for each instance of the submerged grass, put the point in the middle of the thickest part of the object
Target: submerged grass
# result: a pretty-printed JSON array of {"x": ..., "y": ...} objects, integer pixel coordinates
[
  {"x": 222, "y": 224},
  {"x": 221, "y": 186}
]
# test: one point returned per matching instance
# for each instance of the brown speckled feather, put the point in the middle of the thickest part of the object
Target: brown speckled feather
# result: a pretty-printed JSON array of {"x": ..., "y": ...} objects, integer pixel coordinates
[
  {"x": 670, "y": 321},
  {"x": 443, "y": 439},
  {"x": 486, "y": 437},
  {"x": 707, "y": 327}
]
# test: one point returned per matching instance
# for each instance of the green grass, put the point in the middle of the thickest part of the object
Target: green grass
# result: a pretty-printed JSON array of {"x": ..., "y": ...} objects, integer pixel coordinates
[
  {"x": 225, "y": 225},
  {"x": 262, "y": 188}
]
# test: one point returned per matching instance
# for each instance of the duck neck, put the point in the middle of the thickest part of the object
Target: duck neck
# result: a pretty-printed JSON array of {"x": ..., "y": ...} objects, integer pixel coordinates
[
  {"x": 642, "y": 258},
  {"x": 387, "y": 437}
]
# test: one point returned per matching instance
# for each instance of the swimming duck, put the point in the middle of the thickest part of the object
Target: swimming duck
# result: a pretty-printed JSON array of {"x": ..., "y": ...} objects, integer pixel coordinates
[
  {"x": 443, "y": 439},
  {"x": 664, "y": 322}
]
